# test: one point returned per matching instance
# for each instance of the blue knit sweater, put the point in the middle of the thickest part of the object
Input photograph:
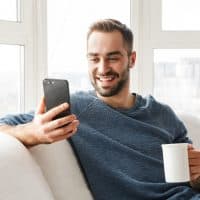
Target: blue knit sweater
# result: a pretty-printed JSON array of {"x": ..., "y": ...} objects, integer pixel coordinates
[{"x": 120, "y": 150}]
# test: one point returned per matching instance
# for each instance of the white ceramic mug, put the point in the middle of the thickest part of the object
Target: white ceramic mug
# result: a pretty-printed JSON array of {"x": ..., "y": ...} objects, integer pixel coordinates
[{"x": 176, "y": 164}]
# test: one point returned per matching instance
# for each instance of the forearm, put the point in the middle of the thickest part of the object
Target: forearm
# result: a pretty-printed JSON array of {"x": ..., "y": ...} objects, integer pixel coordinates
[
  {"x": 14, "y": 125},
  {"x": 15, "y": 131},
  {"x": 8, "y": 129},
  {"x": 17, "y": 119}
]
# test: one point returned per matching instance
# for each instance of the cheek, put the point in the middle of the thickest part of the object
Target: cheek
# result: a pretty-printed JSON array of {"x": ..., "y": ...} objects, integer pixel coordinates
[
  {"x": 91, "y": 71},
  {"x": 119, "y": 67}
]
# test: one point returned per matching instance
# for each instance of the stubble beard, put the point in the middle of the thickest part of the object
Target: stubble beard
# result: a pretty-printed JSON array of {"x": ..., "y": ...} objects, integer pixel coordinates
[{"x": 108, "y": 92}]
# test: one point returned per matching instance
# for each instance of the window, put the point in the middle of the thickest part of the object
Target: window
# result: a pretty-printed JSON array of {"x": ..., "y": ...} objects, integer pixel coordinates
[
  {"x": 11, "y": 62},
  {"x": 10, "y": 10},
  {"x": 169, "y": 52},
  {"x": 182, "y": 15},
  {"x": 177, "y": 78},
  {"x": 68, "y": 23},
  {"x": 18, "y": 44}
]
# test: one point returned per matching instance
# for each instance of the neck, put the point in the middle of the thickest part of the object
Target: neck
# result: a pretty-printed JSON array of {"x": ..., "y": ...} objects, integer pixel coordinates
[{"x": 120, "y": 100}]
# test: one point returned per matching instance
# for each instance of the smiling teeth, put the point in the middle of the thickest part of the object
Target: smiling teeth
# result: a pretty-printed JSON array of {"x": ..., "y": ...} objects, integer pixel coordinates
[{"x": 105, "y": 78}]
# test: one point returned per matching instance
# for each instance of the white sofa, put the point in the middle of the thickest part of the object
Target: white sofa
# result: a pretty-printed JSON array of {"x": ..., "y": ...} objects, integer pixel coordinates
[{"x": 51, "y": 172}]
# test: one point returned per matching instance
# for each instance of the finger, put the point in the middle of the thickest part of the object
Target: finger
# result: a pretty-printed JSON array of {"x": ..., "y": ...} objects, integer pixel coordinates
[
  {"x": 73, "y": 132},
  {"x": 67, "y": 136},
  {"x": 194, "y": 153},
  {"x": 41, "y": 107},
  {"x": 59, "y": 123},
  {"x": 195, "y": 169},
  {"x": 194, "y": 161},
  {"x": 64, "y": 137},
  {"x": 64, "y": 130},
  {"x": 47, "y": 139},
  {"x": 190, "y": 146},
  {"x": 48, "y": 116}
]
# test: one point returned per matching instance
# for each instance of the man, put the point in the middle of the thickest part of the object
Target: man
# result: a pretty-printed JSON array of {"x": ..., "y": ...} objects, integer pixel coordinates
[{"x": 118, "y": 133}]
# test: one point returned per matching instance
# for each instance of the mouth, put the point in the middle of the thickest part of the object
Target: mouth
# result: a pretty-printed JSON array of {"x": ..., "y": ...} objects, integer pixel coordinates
[
  {"x": 106, "y": 81},
  {"x": 106, "y": 78}
]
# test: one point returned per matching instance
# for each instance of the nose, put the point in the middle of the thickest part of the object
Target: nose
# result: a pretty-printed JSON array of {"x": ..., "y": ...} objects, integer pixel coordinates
[{"x": 103, "y": 67}]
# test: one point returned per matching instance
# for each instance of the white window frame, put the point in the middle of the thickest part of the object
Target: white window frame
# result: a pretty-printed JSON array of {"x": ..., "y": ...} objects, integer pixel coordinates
[
  {"x": 41, "y": 49},
  {"x": 27, "y": 32},
  {"x": 146, "y": 15}
]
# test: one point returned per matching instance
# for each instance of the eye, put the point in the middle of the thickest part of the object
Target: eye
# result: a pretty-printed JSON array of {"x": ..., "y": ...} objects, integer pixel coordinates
[{"x": 94, "y": 60}]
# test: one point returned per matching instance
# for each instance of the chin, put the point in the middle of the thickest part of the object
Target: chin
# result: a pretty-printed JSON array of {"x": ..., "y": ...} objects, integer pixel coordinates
[
  {"x": 107, "y": 92},
  {"x": 110, "y": 91}
]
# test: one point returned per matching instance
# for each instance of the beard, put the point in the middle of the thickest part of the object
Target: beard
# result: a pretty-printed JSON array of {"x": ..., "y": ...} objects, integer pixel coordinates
[{"x": 116, "y": 88}]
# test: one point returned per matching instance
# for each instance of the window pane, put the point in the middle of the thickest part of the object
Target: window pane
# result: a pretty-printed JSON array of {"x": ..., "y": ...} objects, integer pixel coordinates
[
  {"x": 67, "y": 27},
  {"x": 11, "y": 62},
  {"x": 177, "y": 78},
  {"x": 9, "y": 10},
  {"x": 180, "y": 15}
]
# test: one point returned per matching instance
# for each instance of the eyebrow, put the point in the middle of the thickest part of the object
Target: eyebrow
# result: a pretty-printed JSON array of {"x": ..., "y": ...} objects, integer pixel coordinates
[
  {"x": 114, "y": 53},
  {"x": 108, "y": 54}
]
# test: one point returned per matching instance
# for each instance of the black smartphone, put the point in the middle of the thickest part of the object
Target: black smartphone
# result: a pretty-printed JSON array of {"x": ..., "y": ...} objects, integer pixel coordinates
[{"x": 56, "y": 92}]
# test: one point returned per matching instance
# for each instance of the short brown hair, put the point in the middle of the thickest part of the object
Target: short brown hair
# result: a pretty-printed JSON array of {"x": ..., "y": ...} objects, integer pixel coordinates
[{"x": 110, "y": 25}]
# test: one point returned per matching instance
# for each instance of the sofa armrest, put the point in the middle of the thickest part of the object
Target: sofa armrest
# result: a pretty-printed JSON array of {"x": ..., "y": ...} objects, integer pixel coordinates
[{"x": 21, "y": 177}]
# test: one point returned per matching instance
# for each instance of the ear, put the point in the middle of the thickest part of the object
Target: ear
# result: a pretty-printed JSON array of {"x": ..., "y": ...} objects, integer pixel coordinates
[{"x": 132, "y": 59}]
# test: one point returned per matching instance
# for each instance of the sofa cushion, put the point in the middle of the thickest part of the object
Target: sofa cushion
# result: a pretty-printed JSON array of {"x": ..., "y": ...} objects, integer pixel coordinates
[
  {"x": 61, "y": 169},
  {"x": 21, "y": 177}
]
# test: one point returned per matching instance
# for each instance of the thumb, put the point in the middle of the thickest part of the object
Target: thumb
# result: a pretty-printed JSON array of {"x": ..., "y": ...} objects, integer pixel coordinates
[
  {"x": 41, "y": 107},
  {"x": 190, "y": 147}
]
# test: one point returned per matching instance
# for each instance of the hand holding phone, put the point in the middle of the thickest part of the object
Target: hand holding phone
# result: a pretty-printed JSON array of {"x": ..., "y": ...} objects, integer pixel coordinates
[{"x": 56, "y": 92}]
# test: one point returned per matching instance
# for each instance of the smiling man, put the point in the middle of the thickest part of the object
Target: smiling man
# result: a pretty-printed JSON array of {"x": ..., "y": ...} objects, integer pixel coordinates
[
  {"x": 109, "y": 67},
  {"x": 116, "y": 134}
]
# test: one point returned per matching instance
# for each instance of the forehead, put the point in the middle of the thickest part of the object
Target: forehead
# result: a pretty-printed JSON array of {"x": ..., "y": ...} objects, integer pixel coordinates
[{"x": 103, "y": 42}]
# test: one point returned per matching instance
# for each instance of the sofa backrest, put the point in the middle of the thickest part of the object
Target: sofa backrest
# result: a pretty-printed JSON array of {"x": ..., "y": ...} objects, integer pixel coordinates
[{"x": 192, "y": 124}]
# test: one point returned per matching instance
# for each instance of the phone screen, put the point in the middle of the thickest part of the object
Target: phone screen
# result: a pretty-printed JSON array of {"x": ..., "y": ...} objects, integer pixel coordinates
[{"x": 56, "y": 92}]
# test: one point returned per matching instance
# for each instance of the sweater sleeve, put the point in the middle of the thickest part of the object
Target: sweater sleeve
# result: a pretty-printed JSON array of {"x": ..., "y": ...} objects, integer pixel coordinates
[
  {"x": 167, "y": 119},
  {"x": 181, "y": 135},
  {"x": 177, "y": 127},
  {"x": 14, "y": 120}
]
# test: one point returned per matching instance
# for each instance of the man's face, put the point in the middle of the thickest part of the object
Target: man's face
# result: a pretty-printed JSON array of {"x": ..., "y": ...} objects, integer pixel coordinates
[{"x": 108, "y": 63}]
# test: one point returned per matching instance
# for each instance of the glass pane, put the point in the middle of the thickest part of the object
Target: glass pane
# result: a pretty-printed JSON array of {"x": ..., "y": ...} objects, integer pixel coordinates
[
  {"x": 11, "y": 61},
  {"x": 9, "y": 10},
  {"x": 177, "y": 78},
  {"x": 67, "y": 35},
  {"x": 180, "y": 15}
]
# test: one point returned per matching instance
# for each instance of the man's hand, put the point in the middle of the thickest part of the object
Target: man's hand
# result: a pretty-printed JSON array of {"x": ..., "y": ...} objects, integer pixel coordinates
[
  {"x": 194, "y": 164},
  {"x": 43, "y": 129}
]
